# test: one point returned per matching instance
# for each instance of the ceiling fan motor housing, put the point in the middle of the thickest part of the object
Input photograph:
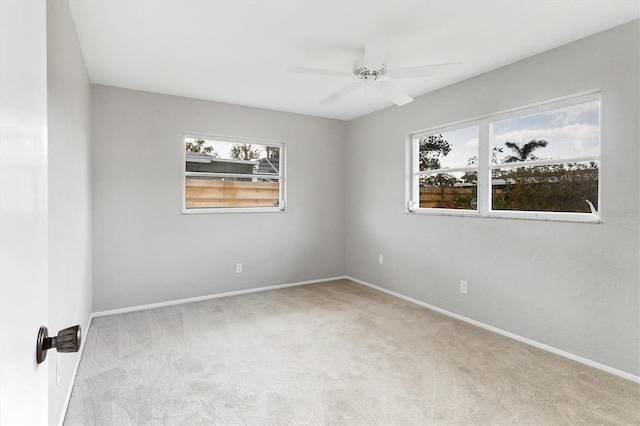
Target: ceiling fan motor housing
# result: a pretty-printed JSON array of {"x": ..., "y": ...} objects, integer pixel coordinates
[{"x": 364, "y": 73}]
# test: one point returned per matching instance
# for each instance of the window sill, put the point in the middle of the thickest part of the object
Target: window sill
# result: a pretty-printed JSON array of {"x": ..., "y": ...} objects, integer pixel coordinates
[
  {"x": 234, "y": 210},
  {"x": 537, "y": 216}
]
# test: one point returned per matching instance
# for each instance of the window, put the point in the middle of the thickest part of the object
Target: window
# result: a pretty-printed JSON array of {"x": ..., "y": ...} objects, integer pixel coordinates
[
  {"x": 538, "y": 163},
  {"x": 447, "y": 169},
  {"x": 223, "y": 174}
]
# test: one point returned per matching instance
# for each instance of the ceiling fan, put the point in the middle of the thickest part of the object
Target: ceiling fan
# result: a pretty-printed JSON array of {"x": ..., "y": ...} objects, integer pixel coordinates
[{"x": 371, "y": 71}]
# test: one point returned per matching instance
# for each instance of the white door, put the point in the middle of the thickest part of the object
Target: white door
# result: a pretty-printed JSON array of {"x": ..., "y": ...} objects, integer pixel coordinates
[{"x": 23, "y": 210}]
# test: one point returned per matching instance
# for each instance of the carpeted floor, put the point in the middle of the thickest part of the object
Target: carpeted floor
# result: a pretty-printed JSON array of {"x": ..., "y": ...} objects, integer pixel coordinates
[{"x": 329, "y": 353}]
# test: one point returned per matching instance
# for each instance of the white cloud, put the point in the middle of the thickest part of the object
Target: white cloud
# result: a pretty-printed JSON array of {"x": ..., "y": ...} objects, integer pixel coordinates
[{"x": 575, "y": 114}]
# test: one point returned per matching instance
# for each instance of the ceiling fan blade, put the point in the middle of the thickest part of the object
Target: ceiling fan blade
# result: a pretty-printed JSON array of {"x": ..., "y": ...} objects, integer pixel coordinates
[
  {"x": 396, "y": 95},
  {"x": 342, "y": 92},
  {"x": 375, "y": 51},
  {"x": 318, "y": 71},
  {"x": 426, "y": 70}
]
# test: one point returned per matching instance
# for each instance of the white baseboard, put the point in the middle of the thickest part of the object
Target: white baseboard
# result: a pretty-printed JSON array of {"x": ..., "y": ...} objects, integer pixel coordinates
[
  {"x": 539, "y": 345},
  {"x": 211, "y": 296},
  {"x": 85, "y": 333}
]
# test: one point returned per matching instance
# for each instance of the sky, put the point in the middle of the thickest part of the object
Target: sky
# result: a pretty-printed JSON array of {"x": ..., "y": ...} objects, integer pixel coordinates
[{"x": 572, "y": 131}]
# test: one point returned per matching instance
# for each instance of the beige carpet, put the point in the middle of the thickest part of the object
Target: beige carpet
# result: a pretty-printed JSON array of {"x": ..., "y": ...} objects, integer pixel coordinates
[{"x": 330, "y": 353}]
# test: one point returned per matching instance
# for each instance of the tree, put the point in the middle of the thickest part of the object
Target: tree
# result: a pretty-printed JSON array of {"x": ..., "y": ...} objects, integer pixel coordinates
[
  {"x": 273, "y": 151},
  {"x": 440, "y": 190},
  {"x": 430, "y": 149},
  {"x": 441, "y": 179},
  {"x": 199, "y": 148},
  {"x": 524, "y": 152},
  {"x": 472, "y": 177},
  {"x": 244, "y": 152},
  {"x": 554, "y": 187}
]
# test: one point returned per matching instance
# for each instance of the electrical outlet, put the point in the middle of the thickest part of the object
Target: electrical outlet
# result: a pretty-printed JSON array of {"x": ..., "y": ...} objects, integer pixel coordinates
[
  {"x": 464, "y": 287},
  {"x": 380, "y": 259},
  {"x": 57, "y": 370},
  {"x": 238, "y": 268}
]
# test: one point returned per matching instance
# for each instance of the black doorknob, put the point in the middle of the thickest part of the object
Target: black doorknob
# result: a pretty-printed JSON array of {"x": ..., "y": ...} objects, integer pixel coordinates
[{"x": 67, "y": 340}]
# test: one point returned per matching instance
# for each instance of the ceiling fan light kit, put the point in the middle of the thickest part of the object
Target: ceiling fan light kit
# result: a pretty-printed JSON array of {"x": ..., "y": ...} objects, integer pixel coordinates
[{"x": 371, "y": 71}]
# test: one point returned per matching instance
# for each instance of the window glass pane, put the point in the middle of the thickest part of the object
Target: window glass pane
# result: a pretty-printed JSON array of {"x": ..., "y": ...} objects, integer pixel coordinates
[
  {"x": 208, "y": 192},
  {"x": 457, "y": 148},
  {"x": 552, "y": 188},
  {"x": 213, "y": 156},
  {"x": 567, "y": 132},
  {"x": 449, "y": 190}
]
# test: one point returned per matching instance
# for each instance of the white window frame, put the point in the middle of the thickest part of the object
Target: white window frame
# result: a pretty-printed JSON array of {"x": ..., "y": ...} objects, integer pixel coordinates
[
  {"x": 282, "y": 206},
  {"x": 485, "y": 167}
]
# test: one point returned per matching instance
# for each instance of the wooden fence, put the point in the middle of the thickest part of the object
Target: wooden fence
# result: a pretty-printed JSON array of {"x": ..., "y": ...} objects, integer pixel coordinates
[
  {"x": 448, "y": 196},
  {"x": 203, "y": 193},
  {"x": 209, "y": 193}
]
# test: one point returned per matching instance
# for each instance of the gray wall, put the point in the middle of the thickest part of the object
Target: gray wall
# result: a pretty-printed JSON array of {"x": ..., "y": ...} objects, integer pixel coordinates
[
  {"x": 569, "y": 285},
  {"x": 573, "y": 286},
  {"x": 146, "y": 251},
  {"x": 69, "y": 116}
]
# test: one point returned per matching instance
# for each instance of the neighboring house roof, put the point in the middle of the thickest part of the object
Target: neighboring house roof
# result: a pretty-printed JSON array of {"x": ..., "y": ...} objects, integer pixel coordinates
[
  {"x": 198, "y": 162},
  {"x": 494, "y": 182},
  {"x": 268, "y": 165}
]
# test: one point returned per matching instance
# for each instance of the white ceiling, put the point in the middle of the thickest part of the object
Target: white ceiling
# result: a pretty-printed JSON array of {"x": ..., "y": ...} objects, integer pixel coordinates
[{"x": 237, "y": 51}]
